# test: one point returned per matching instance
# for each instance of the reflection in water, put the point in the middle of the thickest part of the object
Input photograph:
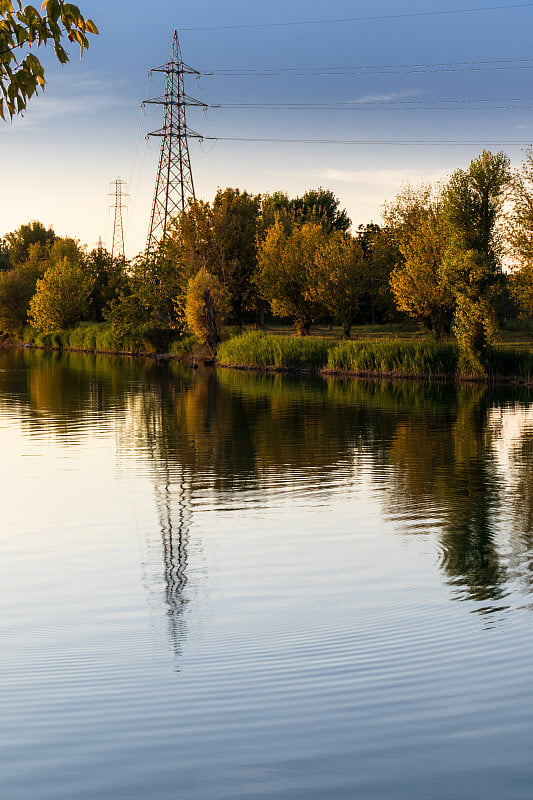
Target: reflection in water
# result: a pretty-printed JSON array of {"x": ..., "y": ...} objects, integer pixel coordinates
[
  {"x": 174, "y": 519},
  {"x": 428, "y": 453},
  {"x": 445, "y": 469}
]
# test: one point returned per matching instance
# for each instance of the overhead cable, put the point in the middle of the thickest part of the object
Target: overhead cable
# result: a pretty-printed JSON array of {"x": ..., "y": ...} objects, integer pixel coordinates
[{"x": 330, "y": 21}]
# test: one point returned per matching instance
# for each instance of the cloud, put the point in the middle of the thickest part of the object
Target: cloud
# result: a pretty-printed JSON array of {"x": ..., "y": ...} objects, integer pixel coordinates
[
  {"x": 387, "y": 98},
  {"x": 381, "y": 177},
  {"x": 80, "y": 99}
]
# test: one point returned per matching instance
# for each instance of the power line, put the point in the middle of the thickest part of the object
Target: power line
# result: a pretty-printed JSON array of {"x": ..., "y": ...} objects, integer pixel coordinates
[
  {"x": 402, "y": 142},
  {"x": 365, "y": 71},
  {"x": 359, "y": 107},
  {"x": 349, "y": 68},
  {"x": 407, "y": 15},
  {"x": 384, "y": 101}
]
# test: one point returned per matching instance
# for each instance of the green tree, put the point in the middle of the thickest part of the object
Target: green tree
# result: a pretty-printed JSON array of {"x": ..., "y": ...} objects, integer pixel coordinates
[
  {"x": 4, "y": 255},
  {"x": 274, "y": 207},
  {"x": 221, "y": 238},
  {"x": 109, "y": 279},
  {"x": 21, "y": 26},
  {"x": 320, "y": 205},
  {"x": 287, "y": 271},
  {"x": 62, "y": 297},
  {"x": 17, "y": 287},
  {"x": 381, "y": 255},
  {"x": 149, "y": 304},
  {"x": 473, "y": 201},
  {"x": 235, "y": 225},
  {"x": 519, "y": 231},
  {"x": 18, "y": 242},
  {"x": 340, "y": 278},
  {"x": 420, "y": 229},
  {"x": 206, "y": 308}
]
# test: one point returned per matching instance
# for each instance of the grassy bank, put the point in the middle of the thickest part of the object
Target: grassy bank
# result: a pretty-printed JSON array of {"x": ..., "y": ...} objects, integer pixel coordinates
[
  {"x": 415, "y": 357},
  {"x": 260, "y": 351},
  {"x": 422, "y": 358},
  {"x": 101, "y": 337}
]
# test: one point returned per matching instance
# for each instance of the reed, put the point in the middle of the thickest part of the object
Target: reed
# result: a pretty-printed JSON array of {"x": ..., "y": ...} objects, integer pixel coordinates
[
  {"x": 417, "y": 358},
  {"x": 274, "y": 352}
]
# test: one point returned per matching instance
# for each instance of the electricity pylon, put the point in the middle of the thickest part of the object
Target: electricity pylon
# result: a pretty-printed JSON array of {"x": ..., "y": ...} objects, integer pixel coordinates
[
  {"x": 174, "y": 185},
  {"x": 118, "y": 202}
]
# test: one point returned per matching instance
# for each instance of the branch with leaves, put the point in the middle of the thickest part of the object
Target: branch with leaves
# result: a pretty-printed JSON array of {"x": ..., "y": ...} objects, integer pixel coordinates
[{"x": 21, "y": 27}]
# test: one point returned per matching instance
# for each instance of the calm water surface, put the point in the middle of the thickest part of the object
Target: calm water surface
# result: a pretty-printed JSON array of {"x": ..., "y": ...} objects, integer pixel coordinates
[{"x": 223, "y": 585}]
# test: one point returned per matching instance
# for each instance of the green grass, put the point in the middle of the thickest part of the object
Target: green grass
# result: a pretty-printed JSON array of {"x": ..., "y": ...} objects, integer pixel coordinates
[
  {"x": 100, "y": 337},
  {"x": 274, "y": 352},
  {"x": 427, "y": 358}
]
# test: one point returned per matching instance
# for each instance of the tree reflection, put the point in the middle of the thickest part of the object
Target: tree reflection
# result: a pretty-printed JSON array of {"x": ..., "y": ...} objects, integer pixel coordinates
[
  {"x": 445, "y": 471},
  {"x": 430, "y": 448}
]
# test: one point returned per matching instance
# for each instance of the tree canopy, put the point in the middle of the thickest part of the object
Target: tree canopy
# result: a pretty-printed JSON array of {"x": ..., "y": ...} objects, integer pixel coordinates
[{"x": 21, "y": 26}]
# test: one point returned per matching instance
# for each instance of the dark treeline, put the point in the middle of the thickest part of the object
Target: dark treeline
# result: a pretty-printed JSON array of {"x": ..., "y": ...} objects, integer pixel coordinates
[{"x": 437, "y": 259}]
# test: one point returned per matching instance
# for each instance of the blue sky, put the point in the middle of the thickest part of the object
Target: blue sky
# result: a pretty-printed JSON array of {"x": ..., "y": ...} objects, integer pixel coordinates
[{"x": 87, "y": 128}]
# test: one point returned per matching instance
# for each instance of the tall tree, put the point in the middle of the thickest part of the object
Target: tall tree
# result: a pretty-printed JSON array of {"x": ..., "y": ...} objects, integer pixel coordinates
[
  {"x": 419, "y": 227},
  {"x": 381, "y": 254},
  {"x": 21, "y": 26},
  {"x": 340, "y": 278},
  {"x": 62, "y": 297},
  {"x": 287, "y": 272},
  {"x": 519, "y": 231},
  {"x": 321, "y": 206},
  {"x": 220, "y": 237},
  {"x": 19, "y": 242},
  {"x": 109, "y": 279},
  {"x": 473, "y": 203},
  {"x": 235, "y": 221}
]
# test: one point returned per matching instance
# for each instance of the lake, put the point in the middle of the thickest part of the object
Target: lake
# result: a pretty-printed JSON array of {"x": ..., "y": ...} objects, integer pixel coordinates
[{"x": 218, "y": 584}]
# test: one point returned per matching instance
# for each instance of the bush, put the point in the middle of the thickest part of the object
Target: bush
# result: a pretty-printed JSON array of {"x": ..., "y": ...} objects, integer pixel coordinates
[
  {"x": 206, "y": 308},
  {"x": 183, "y": 346}
]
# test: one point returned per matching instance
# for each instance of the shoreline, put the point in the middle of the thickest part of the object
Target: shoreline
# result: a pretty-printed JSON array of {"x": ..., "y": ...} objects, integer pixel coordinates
[{"x": 195, "y": 361}]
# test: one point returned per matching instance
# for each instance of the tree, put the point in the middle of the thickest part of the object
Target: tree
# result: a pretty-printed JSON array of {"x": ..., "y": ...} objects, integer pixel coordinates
[
  {"x": 149, "y": 304},
  {"x": 21, "y": 72},
  {"x": 287, "y": 270},
  {"x": 4, "y": 255},
  {"x": 320, "y": 205},
  {"x": 221, "y": 238},
  {"x": 109, "y": 279},
  {"x": 473, "y": 201},
  {"x": 235, "y": 222},
  {"x": 62, "y": 297},
  {"x": 275, "y": 207},
  {"x": 340, "y": 278},
  {"x": 206, "y": 308},
  {"x": 519, "y": 230},
  {"x": 418, "y": 224},
  {"x": 381, "y": 255},
  {"x": 19, "y": 242},
  {"x": 17, "y": 287}
]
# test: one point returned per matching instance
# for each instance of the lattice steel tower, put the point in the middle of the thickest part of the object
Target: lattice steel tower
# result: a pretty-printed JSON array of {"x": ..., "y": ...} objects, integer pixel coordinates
[
  {"x": 118, "y": 202},
  {"x": 174, "y": 185}
]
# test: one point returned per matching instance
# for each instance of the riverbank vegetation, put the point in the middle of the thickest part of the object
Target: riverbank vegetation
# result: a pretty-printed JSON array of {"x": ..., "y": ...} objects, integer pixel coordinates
[{"x": 250, "y": 261}]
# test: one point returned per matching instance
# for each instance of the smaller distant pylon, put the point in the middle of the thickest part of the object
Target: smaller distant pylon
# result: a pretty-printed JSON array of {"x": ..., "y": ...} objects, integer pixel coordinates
[{"x": 119, "y": 198}]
